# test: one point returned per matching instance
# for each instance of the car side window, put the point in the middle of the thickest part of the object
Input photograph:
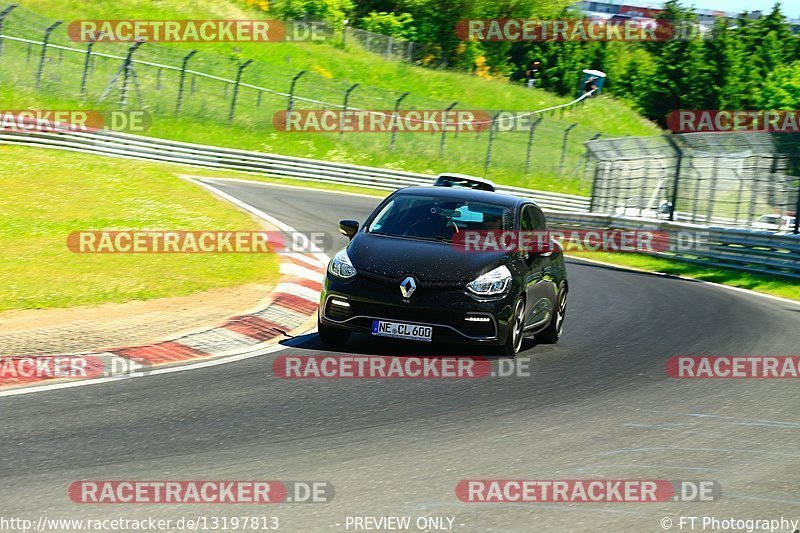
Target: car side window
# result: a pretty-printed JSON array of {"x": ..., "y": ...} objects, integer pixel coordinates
[
  {"x": 539, "y": 222},
  {"x": 532, "y": 219}
]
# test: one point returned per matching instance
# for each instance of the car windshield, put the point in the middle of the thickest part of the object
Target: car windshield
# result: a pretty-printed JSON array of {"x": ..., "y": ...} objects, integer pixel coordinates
[{"x": 436, "y": 218}]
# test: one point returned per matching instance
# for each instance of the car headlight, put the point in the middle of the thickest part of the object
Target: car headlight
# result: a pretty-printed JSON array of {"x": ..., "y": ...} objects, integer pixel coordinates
[
  {"x": 341, "y": 266},
  {"x": 492, "y": 283}
]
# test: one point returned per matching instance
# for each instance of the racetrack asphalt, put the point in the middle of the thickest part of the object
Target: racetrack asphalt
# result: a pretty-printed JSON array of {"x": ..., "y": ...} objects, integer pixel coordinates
[{"x": 596, "y": 405}]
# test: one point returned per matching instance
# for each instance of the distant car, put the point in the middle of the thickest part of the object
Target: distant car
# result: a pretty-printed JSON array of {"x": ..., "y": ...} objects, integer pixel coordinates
[
  {"x": 776, "y": 223},
  {"x": 401, "y": 276},
  {"x": 463, "y": 180},
  {"x": 633, "y": 207}
]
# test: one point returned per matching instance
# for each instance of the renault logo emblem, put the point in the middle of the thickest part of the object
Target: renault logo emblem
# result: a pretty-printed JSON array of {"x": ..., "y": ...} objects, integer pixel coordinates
[{"x": 407, "y": 287}]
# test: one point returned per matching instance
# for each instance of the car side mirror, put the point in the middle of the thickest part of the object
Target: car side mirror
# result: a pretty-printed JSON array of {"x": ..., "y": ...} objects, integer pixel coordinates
[{"x": 348, "y": 228}]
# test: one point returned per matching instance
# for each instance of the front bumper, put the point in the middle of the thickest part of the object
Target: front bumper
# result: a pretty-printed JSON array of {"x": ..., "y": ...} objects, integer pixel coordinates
[{"x": 446, "y": 306}]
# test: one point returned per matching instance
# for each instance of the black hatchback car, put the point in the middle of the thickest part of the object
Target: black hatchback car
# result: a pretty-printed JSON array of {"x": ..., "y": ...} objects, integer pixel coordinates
[{"x": 404, "y": 276}]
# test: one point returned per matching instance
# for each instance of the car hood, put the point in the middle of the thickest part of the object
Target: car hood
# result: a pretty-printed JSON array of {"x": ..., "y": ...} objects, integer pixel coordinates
[{"x": 432, "y": 261}]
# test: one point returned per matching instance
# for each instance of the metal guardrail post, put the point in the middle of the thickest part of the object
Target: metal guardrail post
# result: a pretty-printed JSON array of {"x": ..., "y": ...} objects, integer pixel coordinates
[
  {"x": 564, "y": 148},
  {"x": 678, "y": 165},
  {"x": 344, "y": 106},
  {"x": 3, "y": 15},
  {"x": 47, "y": 33},
  {"x": 179, "y": 102},
  {"x": 236, "y": 87},
  {"x": 529, "y": 152},
  {"x": 396, "y": 109},
  {"x": 441, "y": 141}
]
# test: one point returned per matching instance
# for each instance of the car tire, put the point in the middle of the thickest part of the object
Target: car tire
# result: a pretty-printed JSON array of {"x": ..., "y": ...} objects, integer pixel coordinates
[
  {"x": 555, "y": 328},
  {"x": 331, "y": 335},
  {"x": 516, "y": 330}
]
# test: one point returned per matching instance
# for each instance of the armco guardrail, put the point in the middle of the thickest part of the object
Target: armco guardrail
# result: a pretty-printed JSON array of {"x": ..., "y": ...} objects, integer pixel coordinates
[
  {"x": 139, "y": 147},
  {"x": 762, "y": 253},
  {"x": 730, "y": 248}
]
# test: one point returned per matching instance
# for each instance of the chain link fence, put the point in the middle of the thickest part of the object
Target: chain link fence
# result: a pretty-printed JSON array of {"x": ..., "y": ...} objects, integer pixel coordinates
[
  {"x": 209, "y": 87},
  {"x": 740, "y": 179}
]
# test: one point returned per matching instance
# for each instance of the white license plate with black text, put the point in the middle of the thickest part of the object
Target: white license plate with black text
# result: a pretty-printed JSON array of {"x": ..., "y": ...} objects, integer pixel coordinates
[{"x": 401, "y": 330}]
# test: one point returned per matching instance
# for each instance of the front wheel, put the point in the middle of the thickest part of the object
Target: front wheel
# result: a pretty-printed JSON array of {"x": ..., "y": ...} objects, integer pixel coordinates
[
  {"x": 331, "y": 335},
  {"x": 553, "y": 331},
  {"x": 516, "y": 328}
]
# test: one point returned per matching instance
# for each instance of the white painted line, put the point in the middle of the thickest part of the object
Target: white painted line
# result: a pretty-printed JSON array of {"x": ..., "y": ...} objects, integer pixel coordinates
[
  {"x": 297, "y": 270},
  {"x": 285, "y": 186},
  {"x": 318, "y": 253},
  {"x": 298, "y": 290},
  {"x": 156, "y": 372},
  {"x": 310, "y": 260},
  {"x": 664, "y": 274}
]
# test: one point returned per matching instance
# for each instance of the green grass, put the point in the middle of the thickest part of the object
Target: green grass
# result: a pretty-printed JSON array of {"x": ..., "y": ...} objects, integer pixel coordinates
[
  {"x": 330, "y": 71},
  {"x": 47, "y": 194},
  {"x": 774, "y": 285}
]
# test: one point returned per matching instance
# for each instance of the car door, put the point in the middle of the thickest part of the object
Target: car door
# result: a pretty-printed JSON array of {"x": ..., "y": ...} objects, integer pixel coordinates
[{"x": 538, "y": 280}]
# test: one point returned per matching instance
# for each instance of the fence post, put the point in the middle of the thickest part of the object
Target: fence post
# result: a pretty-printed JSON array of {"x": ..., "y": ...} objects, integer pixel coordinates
[
  {"x": 86, "y": 64},
  {"x": 492, "y": 131},
  {"x": 441, "y": 142},
  {"x": 712, "y": 189},
  {"x": 564, "y": 147},
  {"x": 593, "y": 194},
  {"x": 396, "y": 109},
  {"x": 296, "y": 77},
  {"x": 236, "y": 87},
  {"x": 678, "y": 165},
  {"x": 344, "y": 107},
  {"x": 797, "y": 211},
  {"x": 529, "y": 152},
  {"x": 186, "y": 59},
  {"x": 47, "y": 33},
  {"x": 3, "y": 15},
  {"x": 586, "y": 155},
  {"x": 389, "y": 48},
  {"x": 290, "y": 104},
  {"x": 125, "y": 72}
]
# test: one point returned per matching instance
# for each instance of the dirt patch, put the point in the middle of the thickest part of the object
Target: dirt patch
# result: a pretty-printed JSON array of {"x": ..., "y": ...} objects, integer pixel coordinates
[{"x": 105, "y": 326}]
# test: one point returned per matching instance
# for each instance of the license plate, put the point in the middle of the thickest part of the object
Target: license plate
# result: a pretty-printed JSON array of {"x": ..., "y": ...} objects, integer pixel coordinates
[{"x": 400, "y": 330}]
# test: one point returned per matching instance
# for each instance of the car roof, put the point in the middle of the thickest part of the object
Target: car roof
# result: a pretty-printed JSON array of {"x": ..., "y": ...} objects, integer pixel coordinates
[
  {"x": 462, "y": 193},
  {"x": 463, "y": 176}
]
